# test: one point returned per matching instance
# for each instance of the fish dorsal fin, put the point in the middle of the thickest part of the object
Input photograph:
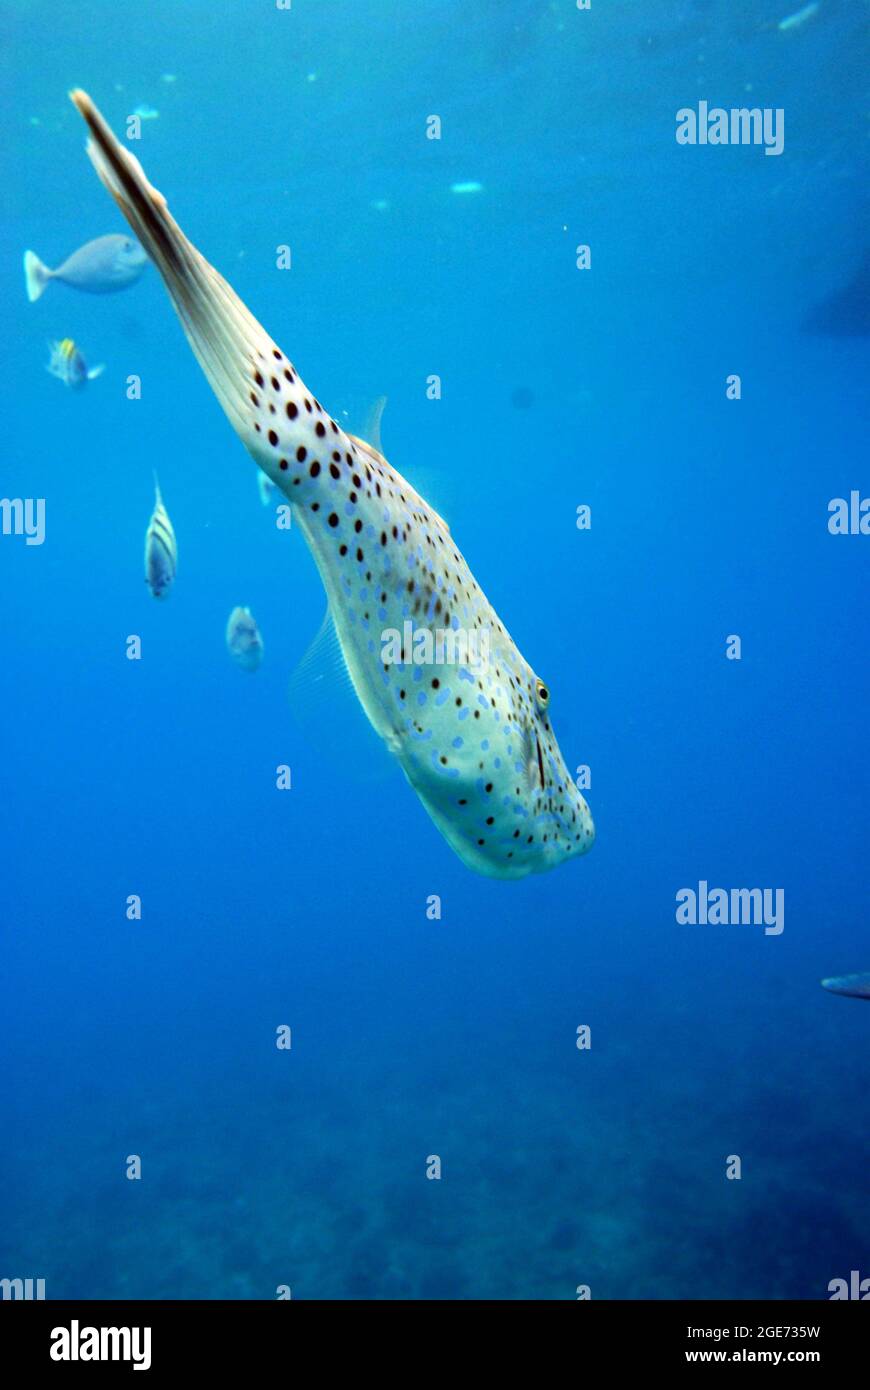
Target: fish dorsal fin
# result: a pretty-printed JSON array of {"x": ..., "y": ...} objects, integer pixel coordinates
[
  {"x": 378, "y": 459},
  {"x": 372, "y": 426}
]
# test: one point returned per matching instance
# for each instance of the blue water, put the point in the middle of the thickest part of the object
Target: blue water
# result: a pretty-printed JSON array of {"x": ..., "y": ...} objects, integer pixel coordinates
[{"x": 456, "y": 1037}]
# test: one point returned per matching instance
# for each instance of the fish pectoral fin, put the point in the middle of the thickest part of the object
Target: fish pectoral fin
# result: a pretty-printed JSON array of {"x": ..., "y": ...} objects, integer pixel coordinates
[
  {"x": 325, "y": 705},
  {"x": 372, "y": 427}
]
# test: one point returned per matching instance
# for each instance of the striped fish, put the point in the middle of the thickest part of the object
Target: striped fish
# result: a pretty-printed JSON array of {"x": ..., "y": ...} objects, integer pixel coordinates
[
  {"x": 161, "y": 552},
  {"x": 471, "y": 729},
  {"x": 67, "y": 364}
]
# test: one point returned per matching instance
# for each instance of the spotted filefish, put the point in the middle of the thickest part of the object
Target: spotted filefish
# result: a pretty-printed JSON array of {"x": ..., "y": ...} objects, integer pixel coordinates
[
  {"x": 474, "y": 739},
  {"x": 67, "y": 364},
  {"x": 161, "y": 551}
]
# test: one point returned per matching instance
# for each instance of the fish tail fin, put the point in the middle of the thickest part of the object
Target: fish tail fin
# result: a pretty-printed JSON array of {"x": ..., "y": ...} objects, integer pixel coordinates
[
  {"x": 36, "y": 275},
  {"x": 226, "y": 338}
]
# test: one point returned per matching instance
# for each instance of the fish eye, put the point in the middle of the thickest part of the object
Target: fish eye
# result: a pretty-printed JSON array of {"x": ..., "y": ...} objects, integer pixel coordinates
[{"x": 542, "y": 694}]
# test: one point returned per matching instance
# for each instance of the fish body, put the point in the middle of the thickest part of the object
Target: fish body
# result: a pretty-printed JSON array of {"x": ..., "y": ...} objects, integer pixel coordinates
[
  {"x": 244, "y": 642},
  {"x": 161, "y": 551},
  {"x": 102, "y": 266},
  {"x": 856, "y": 986},
  {"x": 472, "y": 732},
  {"x": 67, "y": 364}
]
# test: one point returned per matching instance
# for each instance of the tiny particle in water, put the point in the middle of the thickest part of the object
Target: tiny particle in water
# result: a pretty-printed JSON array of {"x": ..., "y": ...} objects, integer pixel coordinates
[
  {"x": 146, "y": 112},
  {"x": 381, "y": 205},
  {"x": 470, "y": 186},
  {"x": 168, "y": 77}
]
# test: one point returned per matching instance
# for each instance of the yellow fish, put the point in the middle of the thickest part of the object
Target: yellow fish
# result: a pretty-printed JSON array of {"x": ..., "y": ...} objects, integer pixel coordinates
[{"x": 67, "y": 363}]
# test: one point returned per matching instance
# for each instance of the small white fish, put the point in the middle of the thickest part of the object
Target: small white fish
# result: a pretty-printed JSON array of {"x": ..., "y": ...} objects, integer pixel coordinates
[
  {"x": 67, "y": 364},
  {"x": 794, "y": 21},
  {"x": 161, "y": 551},
  {"x": 244, "y": 643},
  {"x": 102, "y": 266}
]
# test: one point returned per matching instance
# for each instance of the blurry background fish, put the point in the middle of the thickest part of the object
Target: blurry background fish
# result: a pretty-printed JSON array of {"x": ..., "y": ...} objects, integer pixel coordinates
[
  {"x": 67, "y": 364},
  {"x": 161, "y": 554},
  {"x": 857, "y": 986},
  {"x": 244, "y": 642},
  {"x": 99, "y": 267}
]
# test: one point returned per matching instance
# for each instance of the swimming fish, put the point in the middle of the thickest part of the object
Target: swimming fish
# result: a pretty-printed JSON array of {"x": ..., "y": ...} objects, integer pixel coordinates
[
  {"x": 161, "y": 552},
  {"x": 67, "y": 364},
  {"x": 795, "y": 21},
  {"x": 473, "y": 737},
  {"x": 243, "y": 639},
  {"x": 99, "y": 267},
  {"x": 858, "y": 986}
]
